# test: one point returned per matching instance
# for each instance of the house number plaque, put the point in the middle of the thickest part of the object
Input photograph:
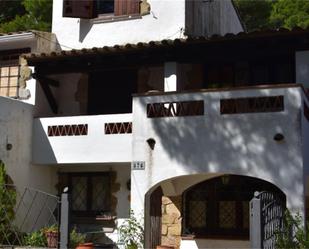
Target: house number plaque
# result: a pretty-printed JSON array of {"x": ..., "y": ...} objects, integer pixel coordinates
[{"x": 138, "y": 165}]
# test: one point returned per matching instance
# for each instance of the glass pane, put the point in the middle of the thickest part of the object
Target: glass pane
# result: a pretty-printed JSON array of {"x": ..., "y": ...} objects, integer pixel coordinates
[
  {"x": 79, "y": 193},
  {"x": 4, "y": 82},
  {"x": 100, "y": 193},
  {"x": 14, "y": 71},
  {"x": 197, "y": 214},
  {"x": 13, "y": 81},
  {"x": 4, "y": 91},
  {"x": 13, "y": 91},
  {"x": 105, "y": 6},
  {"x": 227, "y": 214},
  {"x": 5, "y": 71}
]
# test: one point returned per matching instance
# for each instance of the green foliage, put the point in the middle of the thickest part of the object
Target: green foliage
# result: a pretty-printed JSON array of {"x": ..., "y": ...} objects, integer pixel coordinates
[
  {"x": 36, "y": 239},
  {"x": 289, "y": 14},
  {"x": 132, "y": 233},
  {"x": 259, "y": 14},
  {"x": 293, "y": 235},
  {"x": 9, "y": 9},
  {"x": 38, "y": 16},
  {"x": 7, "y": 204},
  {"x": 255, "y": 13},
  {"x": 76, "y": 238}
]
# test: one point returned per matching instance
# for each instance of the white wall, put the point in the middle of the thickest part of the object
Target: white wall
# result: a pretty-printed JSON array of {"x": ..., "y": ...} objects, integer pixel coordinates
[
  {"x": 237, "y": 144},
  {"x": 16, "y": 129},
  {"x": 96, "y": 147},
  {"x": 166, "y": 21}
]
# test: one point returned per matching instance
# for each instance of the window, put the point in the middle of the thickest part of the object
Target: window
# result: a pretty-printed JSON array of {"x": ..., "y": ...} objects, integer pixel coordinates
[
  {"x": 90, "y": 193},
  {"x": 93, "y": 8},
  {"x": 9, "y": 71},
  {"x": 276, "y": 70},
  {"x": 220, "y": 207}
]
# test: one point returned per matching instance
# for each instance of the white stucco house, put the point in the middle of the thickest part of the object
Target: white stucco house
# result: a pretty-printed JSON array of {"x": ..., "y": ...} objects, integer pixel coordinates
[{"x": 167, "y": 108}]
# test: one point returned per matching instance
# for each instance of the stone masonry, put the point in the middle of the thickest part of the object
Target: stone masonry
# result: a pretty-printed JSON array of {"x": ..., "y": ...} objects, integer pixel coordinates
[{"x": 171, "y": 221}]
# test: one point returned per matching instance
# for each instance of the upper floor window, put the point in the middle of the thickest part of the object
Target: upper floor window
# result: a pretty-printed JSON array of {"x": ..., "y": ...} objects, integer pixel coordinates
[
  {"x": 10, "y": 71},
  {"x": 88, "y": 9}
]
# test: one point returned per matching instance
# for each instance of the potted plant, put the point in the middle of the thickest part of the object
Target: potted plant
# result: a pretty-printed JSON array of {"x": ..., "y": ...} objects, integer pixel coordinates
[
  {"x": 132, "y": 233},
  {"x": 77, "y": 240},
  {"x": 51, "y": 234}
]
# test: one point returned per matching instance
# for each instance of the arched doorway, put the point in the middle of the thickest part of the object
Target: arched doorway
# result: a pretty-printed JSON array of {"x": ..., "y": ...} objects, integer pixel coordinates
[
  {"x": 219, "y": 208},
  {"x": 212, "y": 212}
]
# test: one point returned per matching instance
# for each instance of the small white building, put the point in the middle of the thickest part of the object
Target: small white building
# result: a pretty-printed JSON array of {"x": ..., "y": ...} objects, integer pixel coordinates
[{"x": 145, "y": 115}]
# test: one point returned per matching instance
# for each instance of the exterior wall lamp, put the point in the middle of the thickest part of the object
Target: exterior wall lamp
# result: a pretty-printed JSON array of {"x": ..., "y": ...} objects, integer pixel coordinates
[
  {"x": 151, "y": 142},
  {"x": 279, "y": 137}
]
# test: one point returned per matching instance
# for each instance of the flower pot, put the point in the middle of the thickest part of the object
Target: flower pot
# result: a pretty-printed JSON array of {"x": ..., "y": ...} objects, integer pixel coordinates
[
  {"x": 52, "y": 239},
  {"x": 85, "y": 246}
]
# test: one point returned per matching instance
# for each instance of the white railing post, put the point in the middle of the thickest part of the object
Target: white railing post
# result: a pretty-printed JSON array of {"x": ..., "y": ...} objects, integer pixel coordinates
[
  {"x": 255, "y": 222},
  {"x": 64, "y": 220}
]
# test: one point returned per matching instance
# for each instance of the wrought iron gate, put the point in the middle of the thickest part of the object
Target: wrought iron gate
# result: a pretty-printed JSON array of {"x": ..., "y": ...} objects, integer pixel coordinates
[
  {"x": 25, "y": 211},
  {"x": 266, "y": 218}
]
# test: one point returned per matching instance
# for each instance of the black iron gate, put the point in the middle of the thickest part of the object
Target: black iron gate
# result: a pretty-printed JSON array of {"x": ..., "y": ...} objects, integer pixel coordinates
[{"x": 267, "y": 210}]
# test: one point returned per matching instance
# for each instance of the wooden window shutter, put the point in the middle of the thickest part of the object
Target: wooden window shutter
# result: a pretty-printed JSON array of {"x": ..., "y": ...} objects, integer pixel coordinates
[
  {"x": 126, "y": 7},
  {"x": 78, "y": 9}
]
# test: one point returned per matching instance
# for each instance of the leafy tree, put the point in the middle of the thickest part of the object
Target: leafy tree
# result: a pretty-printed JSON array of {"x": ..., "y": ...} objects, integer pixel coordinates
[
  {"x": 255, "y": 13},
  {"x": 289, "y": 14},
  {"x": 259, "y": 14},
  {"x": 38, "y": 16},
  {"x": 9, "y": 9}
]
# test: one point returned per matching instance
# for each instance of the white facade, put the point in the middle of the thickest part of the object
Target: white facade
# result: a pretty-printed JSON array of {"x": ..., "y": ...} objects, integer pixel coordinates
[
  {"x": 166, "y": 21},
  {"x": 190, "y": 150},
  {"x": 186, "y": 151}
]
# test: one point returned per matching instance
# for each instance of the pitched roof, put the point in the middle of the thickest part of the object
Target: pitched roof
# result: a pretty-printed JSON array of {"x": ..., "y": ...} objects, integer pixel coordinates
[{"x": 37, "y": 57}]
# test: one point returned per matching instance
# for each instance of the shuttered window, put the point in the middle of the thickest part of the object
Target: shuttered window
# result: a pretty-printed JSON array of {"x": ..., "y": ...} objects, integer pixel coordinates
[{"x": 88, "y": 9}]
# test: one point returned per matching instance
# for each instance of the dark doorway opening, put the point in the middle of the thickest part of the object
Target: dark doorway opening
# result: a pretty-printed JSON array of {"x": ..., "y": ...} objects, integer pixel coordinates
[{"x": 110, "y": 92}]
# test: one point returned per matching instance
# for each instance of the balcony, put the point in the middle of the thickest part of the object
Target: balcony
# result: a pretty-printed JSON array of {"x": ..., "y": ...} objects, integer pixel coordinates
[
  {"x": 83, "y": 139},
  {"x": 247, "y": 131}
]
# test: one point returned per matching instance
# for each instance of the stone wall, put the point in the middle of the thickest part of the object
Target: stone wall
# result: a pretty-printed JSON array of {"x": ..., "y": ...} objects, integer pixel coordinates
[{"x": 171, "y": 221}]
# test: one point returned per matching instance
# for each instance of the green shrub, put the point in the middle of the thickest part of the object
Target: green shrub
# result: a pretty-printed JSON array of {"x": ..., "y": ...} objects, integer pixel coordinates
[
  {"x": 132, "y": 233},
  {"x": 293, "y": 235},
  {"x": 36, "y": 239}
]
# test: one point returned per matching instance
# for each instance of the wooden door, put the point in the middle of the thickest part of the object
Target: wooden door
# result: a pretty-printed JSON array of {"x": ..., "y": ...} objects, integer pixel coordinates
[{"x": 155, "y": 217}]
